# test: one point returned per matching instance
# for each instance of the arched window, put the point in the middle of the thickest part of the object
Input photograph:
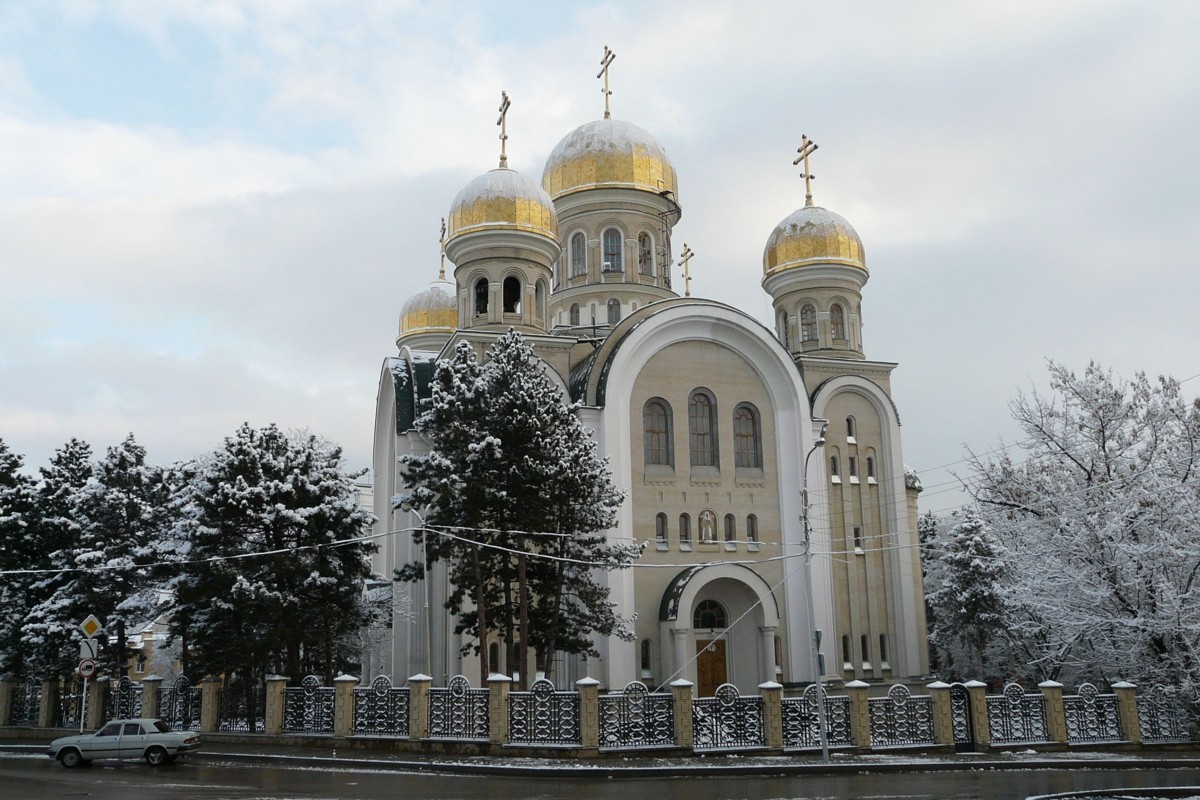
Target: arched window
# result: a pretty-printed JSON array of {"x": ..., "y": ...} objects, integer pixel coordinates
[
  {"x": 709, "y": 614},
  {"x": 870, "y": 467},
  {"x": 540, "y": 299},
  {"x": 865, "y": 646},
  {"x": 783, "y": 328},
  {"x": 481, "y": 296},
  {"x": 660, "y": 528},
  {"x": 751, "y": 528},
  {"x": 808, "y": 323},
  {"x": 730, "y": 528},
  {"x": 574, "y": 319},
  {"x": 685, "y": 530},
  {"x": 851, "y": 428},
  {"x": 846, "y": 649},
  {"x": 578, "y": 255},
  {"x": 883, "y": 653},
  {"x": 833, "y": 467},
  {"x": 645, "y": 254},
  {"x": 656, "y": 432},
  {"x": 614, "y": 311},
  {"x": 837, "y": 320},
  {"x": 747, "y": 438},
  {"x": 612, "y": 251},
  {"x": 512, "y": 295},
  {"x": 702, "y": 429}
]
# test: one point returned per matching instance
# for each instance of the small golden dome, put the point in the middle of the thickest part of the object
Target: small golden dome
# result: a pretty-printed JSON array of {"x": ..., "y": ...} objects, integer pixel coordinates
[
  {"x": 433, "y": 309},
  {"x": 813, "y": 235},
  {"x": 502, "y": 200},
  {"x": 608, "y": 153}
]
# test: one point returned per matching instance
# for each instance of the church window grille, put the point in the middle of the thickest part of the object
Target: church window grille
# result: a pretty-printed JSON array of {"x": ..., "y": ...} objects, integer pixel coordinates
[
  {"x": 808, "y": 323},
  {"x": 645, "y": 254},
  {"x": 702, "y": 429},
  {"x": 614, "y": 311},
  {"x": 612, "y": 251},
  {"x": 730, "y": 528},
  {"x": 685, "y": 530},
  {"x": 660, "y": 528},
  {"x": 574, "y": 318},
  {"x": 837, "y": 319},
  {"x": 512, "y": 295},
  {"x": 751, "y": 528},
  {"x": 710, "y": 614},
  {"x": 481, "y": 296},
  {"x": 578, "y": 255},
  {"x": 747, "y": 437},
  {"x": 656, "y": 424}
]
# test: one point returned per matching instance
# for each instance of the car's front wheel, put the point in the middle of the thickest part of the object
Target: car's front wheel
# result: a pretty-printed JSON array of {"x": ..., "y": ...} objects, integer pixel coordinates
[
  {"x": 70, "y": 758},
  {"x": 156, "y": 756}
]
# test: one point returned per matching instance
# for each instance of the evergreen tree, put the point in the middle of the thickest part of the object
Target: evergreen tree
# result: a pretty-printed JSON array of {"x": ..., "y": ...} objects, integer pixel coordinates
[{"x": 20, "y": 551}]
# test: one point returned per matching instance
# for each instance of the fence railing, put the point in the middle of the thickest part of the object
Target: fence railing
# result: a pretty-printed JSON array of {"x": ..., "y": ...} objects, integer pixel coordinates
[
  {"x": 636, "y": 717},
  {"x": 1091, "y": 716},
  {"x": 1015, "y": 717},
  {"x": 901, "y": 719},
  {"x": 308, "y": 708},
  {"x": 1162, "y": 717},
  {"x": 543, "y": 715},
  {"x": 179, "y": 705},
  {"x": 381, "y": 709},
  {"x": 123, "y": 700},
  {"x": 25, "y": 705},
  {"x": 802, "y": 721},
  {"x": 728, "y": 720},
  {"x": 458, "y": 711},
  {"x": 242, "y": 707}
]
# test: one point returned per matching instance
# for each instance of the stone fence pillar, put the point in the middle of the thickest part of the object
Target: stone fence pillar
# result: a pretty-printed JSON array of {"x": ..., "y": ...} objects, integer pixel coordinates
[
  {"x": 343, "y": 705},
  {"x": 7, "y": 687},
  {"x": 589, "y": 714},
  {"x": 1056, "y": 717},
  {"x": 1127, "y": 711},
  {"x": 772, "y": 695},
  {"x": 276, "y": 701},
  {"x": 151, "y": 685},
  {"x": 418, "y": 706},
  {"x": 681, "y": 695},
  {"x": 49, "y": 703},
  {"x": 210, "y": 705},
  {"x": 860, "y": 714},
  {"x": 980, "y": 731},
  {"x": 498, "y": 688},
  {"x": 94, "y": 717},
  {"x": 943, "y": 716}
]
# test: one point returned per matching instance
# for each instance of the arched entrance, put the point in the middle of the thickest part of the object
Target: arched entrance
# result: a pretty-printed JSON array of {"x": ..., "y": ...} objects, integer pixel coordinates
[{"x": 709, "y": 622}]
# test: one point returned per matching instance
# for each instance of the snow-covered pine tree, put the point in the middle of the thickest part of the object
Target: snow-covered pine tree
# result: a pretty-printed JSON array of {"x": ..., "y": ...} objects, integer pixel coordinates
[
  {"x": 20, "y": 550},
  {"x": 276, "y": 559}
]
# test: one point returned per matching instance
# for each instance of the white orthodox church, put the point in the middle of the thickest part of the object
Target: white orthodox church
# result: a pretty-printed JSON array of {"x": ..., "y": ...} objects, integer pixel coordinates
[{"x": 709, "y": 420}]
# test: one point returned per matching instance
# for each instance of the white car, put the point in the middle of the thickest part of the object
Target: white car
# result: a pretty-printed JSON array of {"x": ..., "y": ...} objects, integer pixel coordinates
[{"x": 150, "y": 739}]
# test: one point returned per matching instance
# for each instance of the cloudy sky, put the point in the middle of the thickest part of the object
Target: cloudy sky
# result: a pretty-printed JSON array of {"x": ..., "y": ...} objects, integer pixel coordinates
[{"x": 212, "y": 211}]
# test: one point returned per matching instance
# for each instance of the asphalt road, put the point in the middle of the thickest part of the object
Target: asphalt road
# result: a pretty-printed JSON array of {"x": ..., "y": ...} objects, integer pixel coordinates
[{"x": 32, "y": 777}]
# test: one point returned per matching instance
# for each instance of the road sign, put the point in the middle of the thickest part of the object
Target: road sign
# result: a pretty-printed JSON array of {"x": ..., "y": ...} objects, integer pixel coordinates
[
  {"x": 89, "y": 648},
  {"x": 91, "y": 626},
  {"x": 87, "y": 667}
]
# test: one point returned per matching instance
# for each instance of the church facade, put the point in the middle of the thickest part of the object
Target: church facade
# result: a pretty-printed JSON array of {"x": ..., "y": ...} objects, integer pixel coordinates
[{"x": 763, "y": 465}]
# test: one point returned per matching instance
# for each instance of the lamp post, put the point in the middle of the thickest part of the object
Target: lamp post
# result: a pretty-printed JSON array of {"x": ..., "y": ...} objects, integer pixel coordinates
[{"x": 812, "y": 607}]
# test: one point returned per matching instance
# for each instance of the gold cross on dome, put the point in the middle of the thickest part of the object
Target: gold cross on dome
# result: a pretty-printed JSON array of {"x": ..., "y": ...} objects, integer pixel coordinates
[
  {"x": 609, "y": 56},
  {"x": 685, "y": 262},
  {"x": 503, "y": 123},
  {"x": 806, "y": 149},
  {"x": 442, "y": 242}
]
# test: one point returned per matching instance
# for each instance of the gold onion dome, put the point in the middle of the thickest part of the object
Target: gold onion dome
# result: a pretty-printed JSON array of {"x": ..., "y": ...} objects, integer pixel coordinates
[
  {"x": 608, "y": 153},
  {"x": 433, "y": 309},
  {"x": 813, "y": 235},
  {"x": 502, "y": 200}
]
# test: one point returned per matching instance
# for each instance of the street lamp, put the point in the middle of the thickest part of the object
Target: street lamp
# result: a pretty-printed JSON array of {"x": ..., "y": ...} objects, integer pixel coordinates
[{"x": 812, "y": 608}]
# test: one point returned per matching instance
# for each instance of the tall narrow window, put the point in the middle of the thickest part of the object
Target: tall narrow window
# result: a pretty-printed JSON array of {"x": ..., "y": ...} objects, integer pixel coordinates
[
  {"x": 851, "y": 428},
  {"x": 481, "y": 296},
  {"x": 833, "y": 466},
  {"x": 574, "y": 314},
  {"x": 730, "y": 528},
  {"x": 702, "y": 429},
  {"x": 852, "y": 465},
  {"x": 512, "y": 295},
  {"x": 578, "y": 255},
  {"x": 837, "y": 321},
  {"x": 612, "y": 251},
  {"x": 865, "y": 646},
  {"x": 656, "y": 432},
  {"x": 751, "y": 528},
  {"x": 870, "y": 466},
  {"x": 660, "y": 528},
  {"x": 539, "y": 292},
  {"x": 883, "y": 653},
  {"x": 614, "y": 311},
  {"x": 645, "y": 254},
  {"x": 783, "y": 328},
  {"x": 645, "y": 659},
  {"x": 747, "y": 438},
  {"x": 685, "y": 530},
  {"x": 846, "y": 649},
  {"x": 858, "y": 539},
  {"x": 808, "y": 323}
]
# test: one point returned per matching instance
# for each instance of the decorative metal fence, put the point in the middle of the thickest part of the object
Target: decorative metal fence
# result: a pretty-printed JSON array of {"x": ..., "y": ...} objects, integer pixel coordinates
[
  {"x": 179, "y": 705},
  {"x": 543, "y": 715},
  {"x": 637, "y": 717},
  {"x": 123, "y": 700},
  {"x": 727, "y": 720},
  {"x": 801, "y": 720},
  {"x": 1015, "y": 717},
  {"x": 1163, "y": 718},
  {"x": 71, "y": 704},
  {"x": 26, "y": 704},
  {"x": 901, "y": 718},
  {"x": 381, "y": 709},
  {"x": 458, "y": 711},
  {"x": 308, "y": 708},
  {"x": 1091, "y": 716},
  {"x": 243, "y": 707}
]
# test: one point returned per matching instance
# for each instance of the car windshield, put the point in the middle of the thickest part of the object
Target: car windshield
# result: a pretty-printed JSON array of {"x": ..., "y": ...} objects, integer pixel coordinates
[{"x": 161, "y": 726}]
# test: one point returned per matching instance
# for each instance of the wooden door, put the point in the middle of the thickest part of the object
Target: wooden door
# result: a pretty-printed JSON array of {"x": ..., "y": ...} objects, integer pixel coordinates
[{"x": 710, "y": 666}]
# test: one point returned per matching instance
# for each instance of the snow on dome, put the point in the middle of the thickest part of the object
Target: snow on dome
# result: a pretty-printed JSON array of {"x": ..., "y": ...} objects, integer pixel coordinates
[
  {"x": 433, "y": 309},
  {"x": 813, "y": 235},
  {"x": 608, "y": 152},
  {"x": 502, "y": 199}
]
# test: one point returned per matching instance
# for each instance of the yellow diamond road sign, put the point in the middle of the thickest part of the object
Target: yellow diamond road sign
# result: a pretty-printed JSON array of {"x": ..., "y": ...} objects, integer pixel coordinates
[{"x": 91, "y": 626}]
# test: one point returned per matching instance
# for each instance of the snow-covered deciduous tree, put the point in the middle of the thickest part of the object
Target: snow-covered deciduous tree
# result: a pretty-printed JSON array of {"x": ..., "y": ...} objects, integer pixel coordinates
[
  {"x": 275, "y": 559},
  {"x": 19, "y": 551},
  {"x": 517, "y": 503}
]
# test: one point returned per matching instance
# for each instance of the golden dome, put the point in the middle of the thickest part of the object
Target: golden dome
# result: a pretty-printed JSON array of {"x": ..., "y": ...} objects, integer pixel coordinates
[
  {"x": 433, "y": 309},
  {"x": 502, "y": 200},
  {"x": 609, "y": 153},
  {"x": 813, "y": 235}
]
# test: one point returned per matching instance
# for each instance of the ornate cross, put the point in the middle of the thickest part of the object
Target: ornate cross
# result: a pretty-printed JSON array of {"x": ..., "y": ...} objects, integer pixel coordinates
[
  {"x": 806, "y": 149},
  {"x": 684, "y": 261},
  {"x": 442, "y": 242},
  {"x": 503, "y": 123},
  {"x": 609, "y": 55}
]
